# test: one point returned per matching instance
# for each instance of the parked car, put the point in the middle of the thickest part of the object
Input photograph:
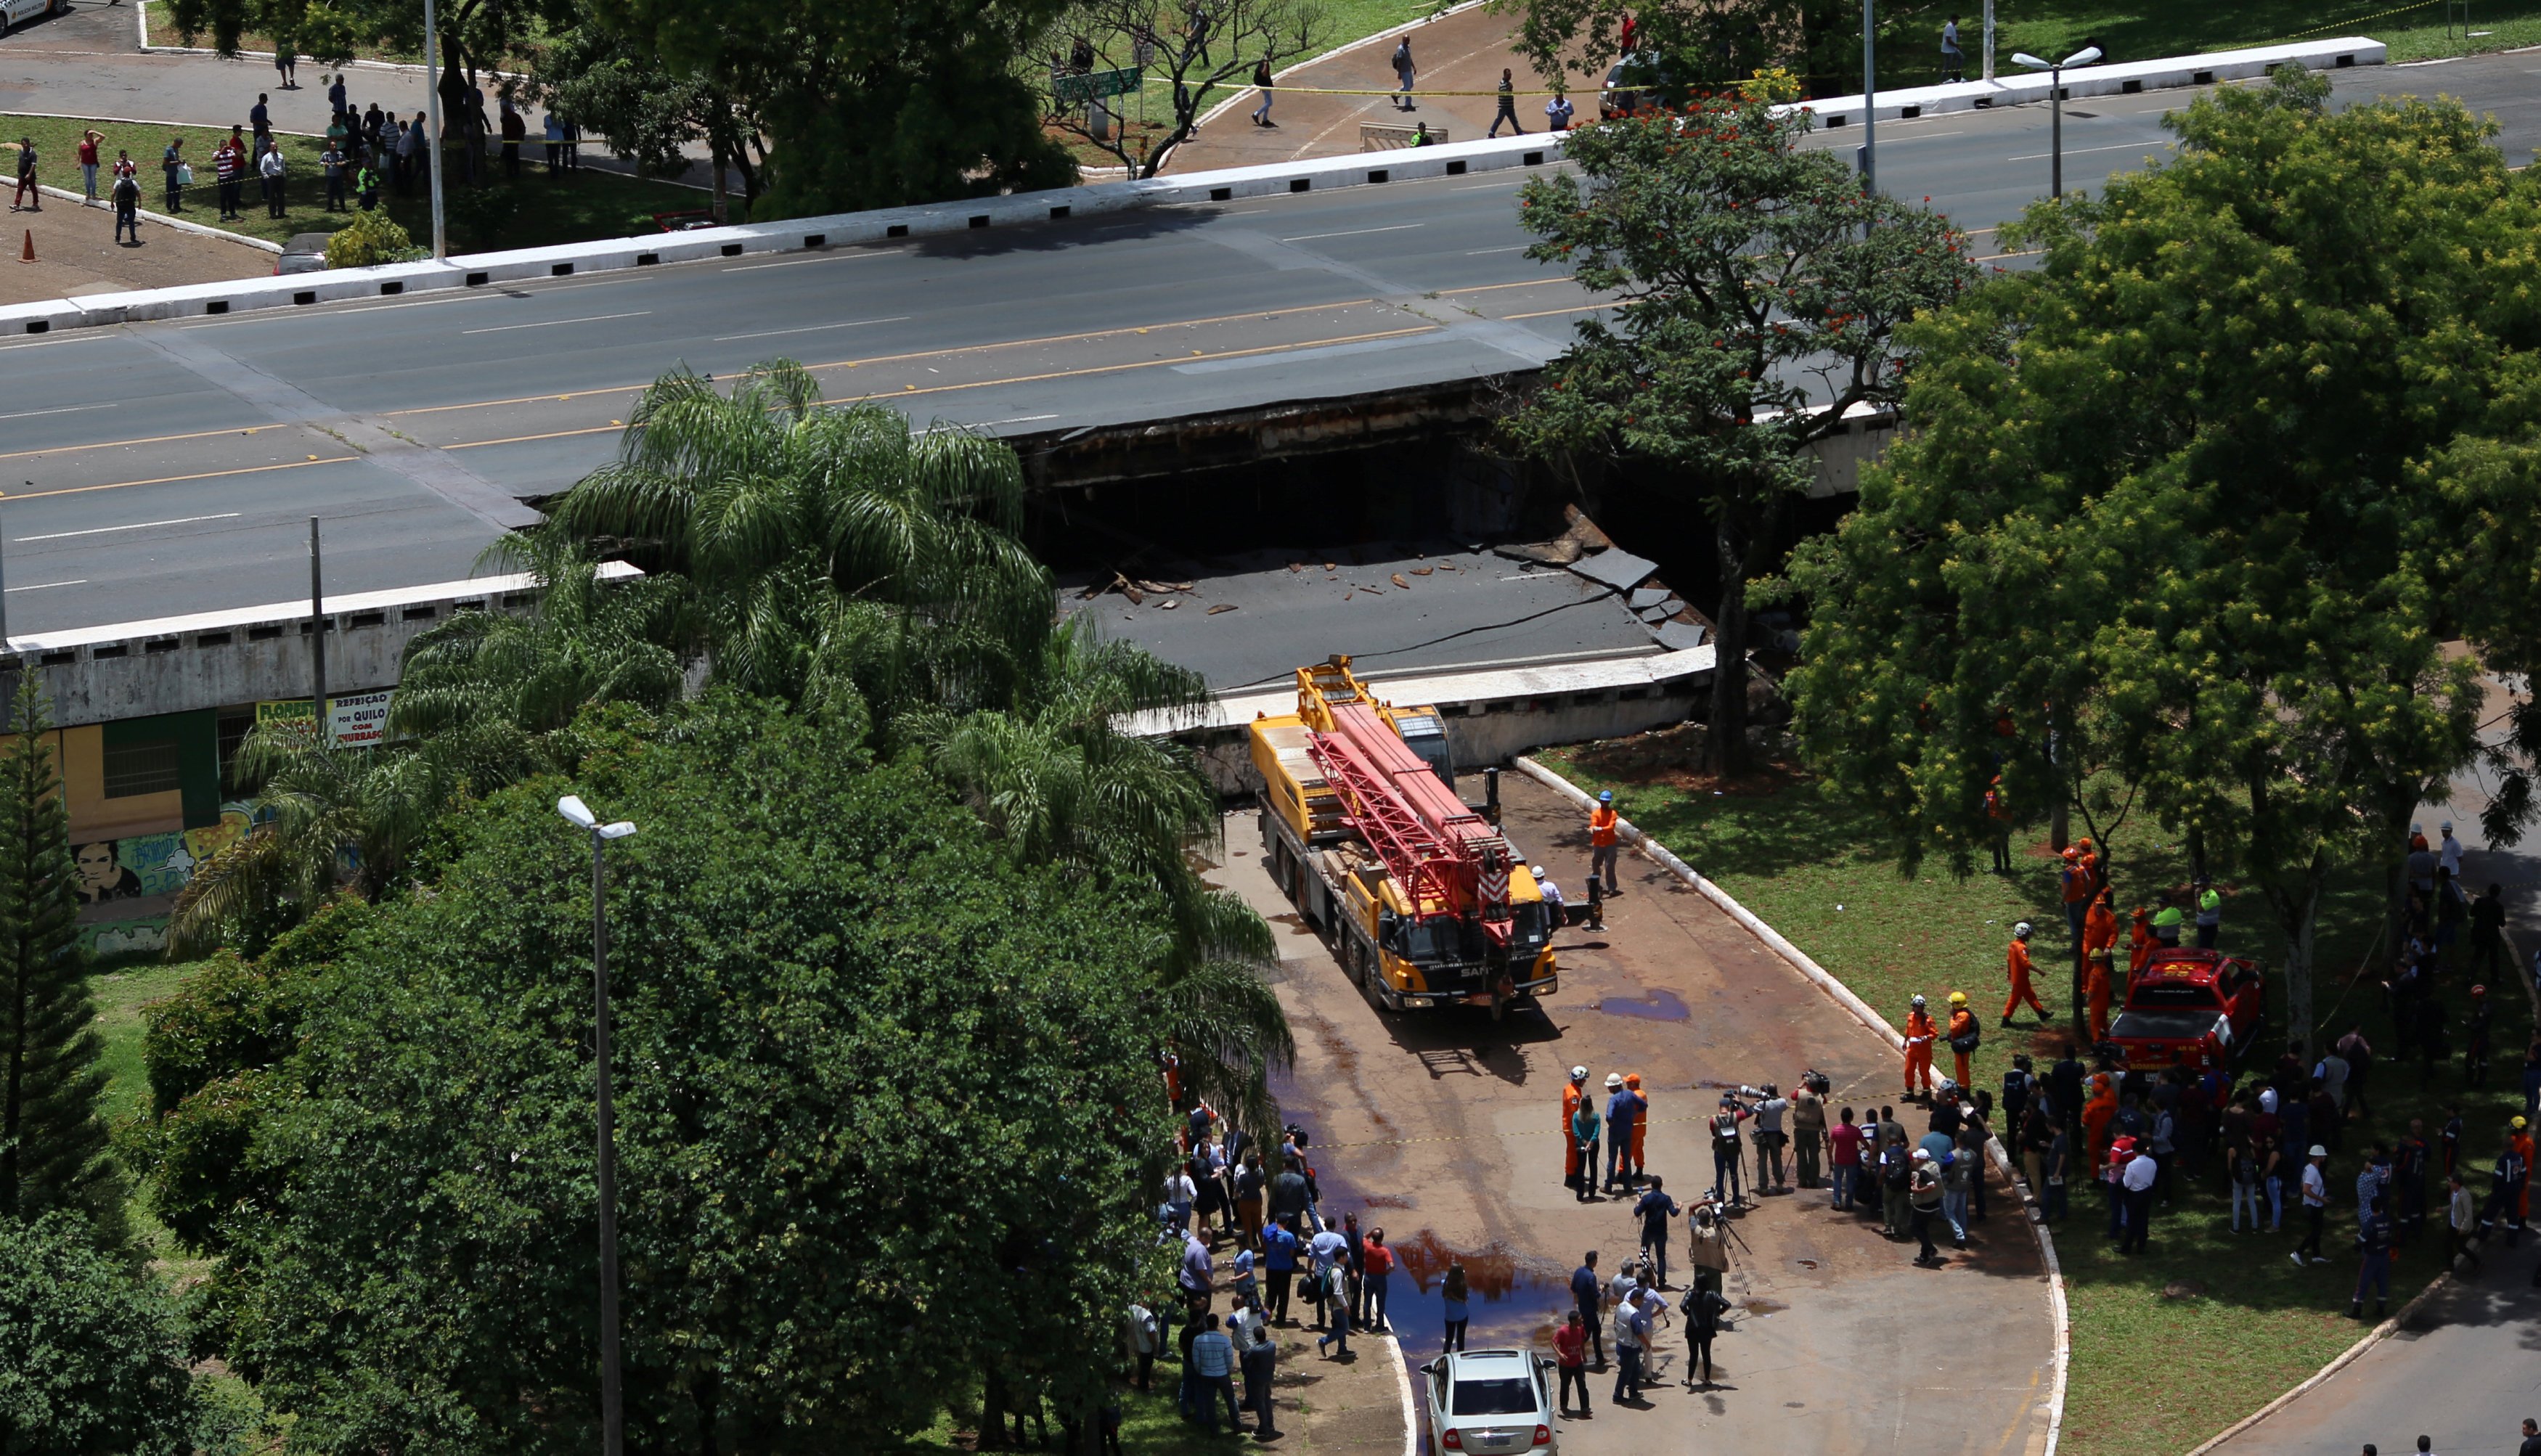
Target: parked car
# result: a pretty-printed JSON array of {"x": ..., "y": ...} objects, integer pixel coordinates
[
  {"x": 306, "y": 253},
  {"x": 18, "y": 12},
  {"x": 1633, "y": 83},
  {"x": 2192, "y": 1008},
  {"x": 1490, "y": 1402}
]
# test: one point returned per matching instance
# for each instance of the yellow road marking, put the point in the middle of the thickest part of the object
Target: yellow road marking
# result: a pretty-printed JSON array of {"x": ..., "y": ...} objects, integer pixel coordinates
[{"x": 288, "y": 464}]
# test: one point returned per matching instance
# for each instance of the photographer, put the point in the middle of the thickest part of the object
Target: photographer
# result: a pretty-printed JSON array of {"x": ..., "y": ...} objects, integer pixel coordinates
[
  {"x": 1809, "y": 1126},
  {"x": 1706, "y": 1246},
  {"x": 1770, "y": 1140},
  {"x": 1726, "y": 1146}
]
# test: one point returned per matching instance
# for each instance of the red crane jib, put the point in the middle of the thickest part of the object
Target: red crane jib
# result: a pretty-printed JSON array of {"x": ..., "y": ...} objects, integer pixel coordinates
[{"x": 1450, "y": 861}]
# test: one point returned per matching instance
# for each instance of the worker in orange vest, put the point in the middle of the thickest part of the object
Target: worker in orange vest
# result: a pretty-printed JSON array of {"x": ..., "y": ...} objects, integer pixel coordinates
[
  {"x": 1571, "y": 1092},
  {"x": 2016, "y": 966},
  {"x": 1601, "y": 839},
  {"x": 2141, "y": 942},
  {"x": 2096, "y": 1115},
  {"x": 2074, "y": 886},
  {"x": 1640, "y": 1124},
  {"x": 1963, "y": 1034},
  {"x": 1918, "y": 1047},
  {"x": 2095, "y": 992}
]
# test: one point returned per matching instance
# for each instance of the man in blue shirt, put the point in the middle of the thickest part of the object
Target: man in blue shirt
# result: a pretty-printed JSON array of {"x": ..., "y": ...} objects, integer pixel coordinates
[
  {"x": 1279, "y": 1248},
  {"x": 1586, "y": 1294},
  {"x": 2375, "y": 1236},
  {"x": 1622, "y": 1109},
  {"x": 1213, "y": 1369},
  {"x": 1655, "y": 1209}
]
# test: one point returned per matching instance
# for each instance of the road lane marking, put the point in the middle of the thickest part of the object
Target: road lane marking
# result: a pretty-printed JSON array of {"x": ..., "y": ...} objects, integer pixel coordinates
[
  {"x": 135, "y": 525},
  {"x": 796, "y": 262},
  {"x": 50, "y": 585},
  {"x": 288, "y": 464},
  {"x": 1013, "y": 343},
  {"x": 1512, "y": 248},
  {"x": 145, "y": 440},
  {"x": 808, "y": 328},
  {"x": 2142, "y": 146},
  {"x": 557, "y": 322},
  {"x": 1549, "y": 312},
  {"x": 65, "y": 409},
  {"x": 1354, "y": 233},
  {"x": 1495, "y": 287}
]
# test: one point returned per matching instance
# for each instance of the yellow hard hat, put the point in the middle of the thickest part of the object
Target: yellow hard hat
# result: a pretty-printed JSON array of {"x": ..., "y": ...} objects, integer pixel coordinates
[
  {"x": 1958, "y": 999},
  {"x": 2516, "y": 1125}
]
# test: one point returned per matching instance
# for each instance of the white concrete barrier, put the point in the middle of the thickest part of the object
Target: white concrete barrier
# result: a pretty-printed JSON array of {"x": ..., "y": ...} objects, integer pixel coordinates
[
  {"x": 943, "y": 219},
  {"x": 2122, "y": 79}
]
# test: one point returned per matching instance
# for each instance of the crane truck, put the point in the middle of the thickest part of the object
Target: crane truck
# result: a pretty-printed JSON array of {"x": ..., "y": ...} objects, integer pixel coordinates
[{"x": 1422, "y": 898}]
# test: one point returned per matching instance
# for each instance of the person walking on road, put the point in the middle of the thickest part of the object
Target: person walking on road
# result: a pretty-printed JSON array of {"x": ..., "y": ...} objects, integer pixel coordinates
[
  {"x": 1654, "y": 1210},
  {"x": 1404, "y": 71},
  {"x": 1588, "y": 1304},
  {"x": 127, "y": 208},
  {"x": 1622, "y": 1114},
  {"x": 1920, "y": 1035},
  {"x": 1954, "y": 62},
  {"x": 2316, "y": 1205},
  {"x": 2016, "y": 966},
  {"x": 1924, "y": 1193},
  {"x": 1454, "y": 1304},
  {"x": 1572, "y": 1093},
  {"x": 1570, "y": 1359},
  {"x": 1702, "y": 1311},
  {"x": 1507, "y": 111},
  {"x": 2373, "y": 1238},
  {"x": 1263, "y": 83},
  {"x": 1584, "y": 1128},
  {"x": 1604, "y": 832}
]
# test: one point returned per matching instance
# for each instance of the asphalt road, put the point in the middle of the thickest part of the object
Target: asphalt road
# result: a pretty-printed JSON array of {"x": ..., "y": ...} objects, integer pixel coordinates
[
  {"x": 161, "y": 469},
  {"x": 1442, "y": 1127}
]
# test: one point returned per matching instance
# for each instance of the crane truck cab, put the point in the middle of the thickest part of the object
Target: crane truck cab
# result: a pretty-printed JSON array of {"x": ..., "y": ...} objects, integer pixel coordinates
[{"x": 1424, "y": 901}]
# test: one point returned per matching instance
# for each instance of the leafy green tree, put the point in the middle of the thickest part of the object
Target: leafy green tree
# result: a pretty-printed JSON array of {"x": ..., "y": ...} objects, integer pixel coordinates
[
  {"x": 91, "y": 1353},
  {"x": 1061, "y": 782},
  {"x": 1760, "y": 292},
  {"x": 872, "y": 106},
  {"x": 876, "y": 1078},
  {"x": 1194, "y": 52},
  {"x": 832, "y": 553},
  {"x": 2186, "y": 456},
  {"x": 54, "y": 1152},
  {"x": 649, "y": 112}
]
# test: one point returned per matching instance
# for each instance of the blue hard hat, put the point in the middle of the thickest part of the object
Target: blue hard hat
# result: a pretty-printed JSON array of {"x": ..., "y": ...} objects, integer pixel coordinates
[{"x": 1606, "y": 797}]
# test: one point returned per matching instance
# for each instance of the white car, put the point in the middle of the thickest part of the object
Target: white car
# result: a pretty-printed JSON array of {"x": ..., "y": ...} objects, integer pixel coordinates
[
  {"x": 1490, "y": 1402},
  {"x": 13, "y": 13}
]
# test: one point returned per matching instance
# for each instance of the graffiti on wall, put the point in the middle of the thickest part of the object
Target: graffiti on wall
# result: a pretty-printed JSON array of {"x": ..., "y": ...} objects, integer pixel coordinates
[{"x": 141, "y": 868}]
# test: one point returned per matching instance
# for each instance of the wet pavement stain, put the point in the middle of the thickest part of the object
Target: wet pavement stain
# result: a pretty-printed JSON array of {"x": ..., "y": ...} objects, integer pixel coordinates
[{"x": 1657, "y": 1005}]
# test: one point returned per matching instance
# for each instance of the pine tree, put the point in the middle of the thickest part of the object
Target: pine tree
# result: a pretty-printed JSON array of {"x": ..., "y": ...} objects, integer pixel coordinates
[{"x": 54, "y": 1152}]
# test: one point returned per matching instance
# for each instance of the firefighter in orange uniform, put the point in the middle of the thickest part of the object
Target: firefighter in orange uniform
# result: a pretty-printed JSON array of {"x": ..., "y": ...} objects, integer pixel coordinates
[
  {"x": 2141, "y": 942},
  {"x": 2096, "y": 1115},
  {"x": 2016, "y": 966},
  {"x": 2095, "y": 992},
  {"x": 1602, "y": 848},
  {"x": 1641, "y": 1125},
  {"x": 2099, "y": 929},
  {"x": 1918, "y": 1047},
  {"x": 1963, "y": 1034},
  {"x": 1571, "y": 1092}
]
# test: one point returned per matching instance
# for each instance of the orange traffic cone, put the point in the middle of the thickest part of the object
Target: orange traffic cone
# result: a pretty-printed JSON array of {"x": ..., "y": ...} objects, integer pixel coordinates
[{"x": 28, "y": 253}]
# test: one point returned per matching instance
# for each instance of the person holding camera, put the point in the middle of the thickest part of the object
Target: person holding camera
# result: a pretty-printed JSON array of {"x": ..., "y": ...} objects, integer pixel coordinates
[
  {"x": 1726, "y": 1147},
  {"x": 1770, "y": 1140}
]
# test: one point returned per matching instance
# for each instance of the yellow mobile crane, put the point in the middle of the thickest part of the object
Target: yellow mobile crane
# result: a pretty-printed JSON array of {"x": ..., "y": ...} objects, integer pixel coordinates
[{"x": 1424, "y": 901}]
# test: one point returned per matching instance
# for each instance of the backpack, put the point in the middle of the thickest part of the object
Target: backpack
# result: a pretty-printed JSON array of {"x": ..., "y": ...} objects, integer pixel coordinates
[
  {"x": 1896, "y": 1175},
  {"x": 1967, "y": 1042}
]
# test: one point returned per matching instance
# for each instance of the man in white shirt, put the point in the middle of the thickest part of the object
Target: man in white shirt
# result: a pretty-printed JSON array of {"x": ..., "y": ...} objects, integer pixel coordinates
[
  {"x": 2449, "y": 853},
  {"x": 1256, "y": 1353},
  {"x": 2315, "y": 1203},
  {"x": 2138, "y": 1180}
]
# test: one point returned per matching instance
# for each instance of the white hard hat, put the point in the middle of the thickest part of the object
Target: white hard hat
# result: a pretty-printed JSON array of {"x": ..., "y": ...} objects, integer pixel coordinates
[
  {"x": 1917, "y": 1001},
  {"x": 2319, "y": 1151},
  {"x": 1923, "y": 1155},
  {"x": 2021, "y": 929},
  {"x": 1579, "y": 1074},
  {"x": 1536, "y": 870},
  {"x": 1614, "y": 1079}
]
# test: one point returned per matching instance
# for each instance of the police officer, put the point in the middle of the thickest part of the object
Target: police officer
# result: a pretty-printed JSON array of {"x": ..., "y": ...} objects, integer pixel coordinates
[{"x": 2373, "y": 1235}]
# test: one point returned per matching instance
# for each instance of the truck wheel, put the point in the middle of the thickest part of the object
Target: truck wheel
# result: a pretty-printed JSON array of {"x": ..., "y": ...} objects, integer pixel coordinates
[
  {"x": 1353, "y": 961},
  {"x": 1371, "y": 984}
]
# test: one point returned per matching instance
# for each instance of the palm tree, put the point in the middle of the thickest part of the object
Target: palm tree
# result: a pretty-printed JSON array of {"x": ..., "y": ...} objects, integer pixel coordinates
[
  {"x": 824, "y": 546},
  {"x": 1062, "y": 781}
]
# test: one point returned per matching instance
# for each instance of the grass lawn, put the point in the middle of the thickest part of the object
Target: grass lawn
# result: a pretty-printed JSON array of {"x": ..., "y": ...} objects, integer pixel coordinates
[
  {"x": 2254, "y": 1325},
  {"x": 536, "y": 211},
  {"x": 121, "y": 994}
]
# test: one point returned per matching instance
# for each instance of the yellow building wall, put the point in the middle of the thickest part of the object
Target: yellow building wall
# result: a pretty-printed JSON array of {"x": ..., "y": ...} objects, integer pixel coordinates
[{"x": 94, "y": 816}]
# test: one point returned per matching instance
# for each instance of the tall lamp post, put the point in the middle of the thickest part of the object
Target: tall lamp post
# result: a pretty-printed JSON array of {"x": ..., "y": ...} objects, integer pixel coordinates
[
  {"x": 613, "y": 1411},
  {"x": 1869, "y": 107},
  {"x": 2056, "y": 107}
]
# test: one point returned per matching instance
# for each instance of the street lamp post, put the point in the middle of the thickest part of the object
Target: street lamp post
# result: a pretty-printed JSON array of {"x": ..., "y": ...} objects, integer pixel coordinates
[
  {"x": 432, "y": 125},
  {"x": 613, "y": 1413},
  {"x": 1870, "y": 106},
  {"x": 2056, "y": 107}
]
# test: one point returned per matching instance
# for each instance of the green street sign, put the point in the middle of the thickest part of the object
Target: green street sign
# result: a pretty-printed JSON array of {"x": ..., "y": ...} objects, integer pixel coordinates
[{"x": 1077, "y": 91}]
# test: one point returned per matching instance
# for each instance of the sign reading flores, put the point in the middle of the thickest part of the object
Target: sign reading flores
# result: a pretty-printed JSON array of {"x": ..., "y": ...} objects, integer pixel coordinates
[
  {"x": 1078, "y": 89},
  {"x": 356, "y": 719}
]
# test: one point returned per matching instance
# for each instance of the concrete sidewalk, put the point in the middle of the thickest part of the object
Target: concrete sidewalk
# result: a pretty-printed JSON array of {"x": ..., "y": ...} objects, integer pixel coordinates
[
  {"x": 1442, "y": 1127},
  {"x": 1465, "y": 51}
]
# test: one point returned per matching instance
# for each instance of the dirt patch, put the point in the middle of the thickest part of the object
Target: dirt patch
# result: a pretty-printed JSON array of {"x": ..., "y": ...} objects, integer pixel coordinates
[{"x": 1673, "y": 757}]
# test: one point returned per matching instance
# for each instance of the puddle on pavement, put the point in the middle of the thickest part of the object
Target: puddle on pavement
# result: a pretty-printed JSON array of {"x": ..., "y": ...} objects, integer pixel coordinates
[
  {"x": 1763, "y": 1306},
  {"x": 1510, "y": 1300},
  {"x": 1659, "y": 1005}
]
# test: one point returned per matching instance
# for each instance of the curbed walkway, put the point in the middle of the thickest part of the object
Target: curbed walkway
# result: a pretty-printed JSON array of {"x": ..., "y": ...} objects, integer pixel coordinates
[{"x": 1442, "y": 1128}]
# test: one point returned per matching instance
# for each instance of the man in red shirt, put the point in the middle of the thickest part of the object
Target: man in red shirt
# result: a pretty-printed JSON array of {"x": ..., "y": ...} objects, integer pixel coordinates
[
  {"x": 87, "y": 160},
  {"x": 1570, "y": 1356}
]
